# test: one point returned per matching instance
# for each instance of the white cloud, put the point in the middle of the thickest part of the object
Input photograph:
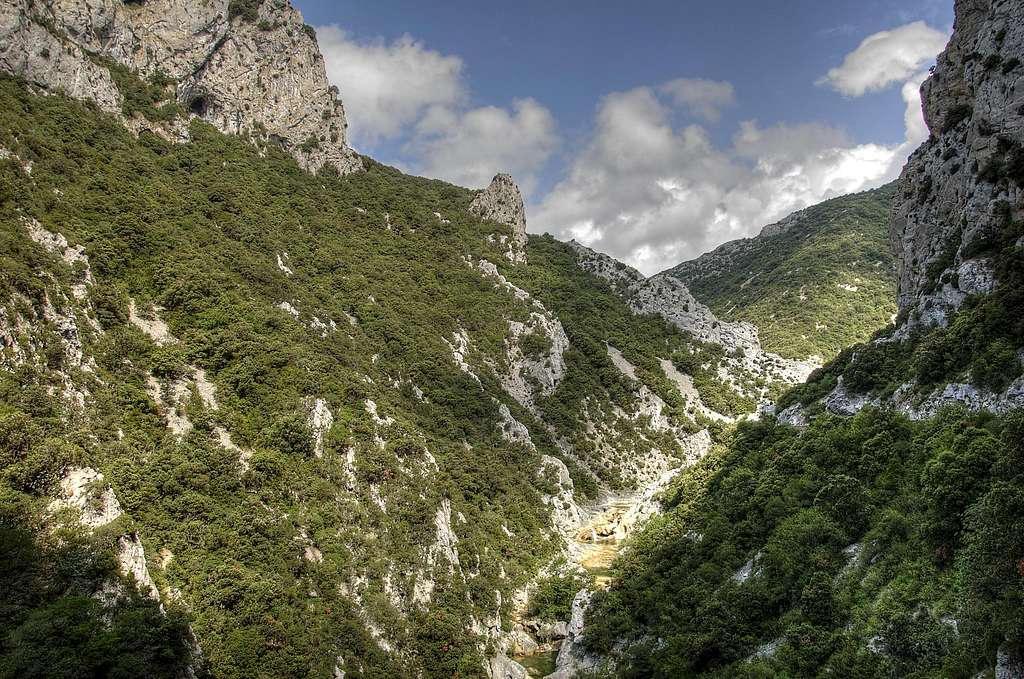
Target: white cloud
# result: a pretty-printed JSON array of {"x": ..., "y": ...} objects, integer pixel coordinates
[
  {"x": 704, "y": 99},
  {"x": 654, "y": 196},
  {"x": 414, "y": 96},
  {"x": 470, "y": 147},
  {"x": 885, "y": 58},
  {"x": 387, "y": 87}
]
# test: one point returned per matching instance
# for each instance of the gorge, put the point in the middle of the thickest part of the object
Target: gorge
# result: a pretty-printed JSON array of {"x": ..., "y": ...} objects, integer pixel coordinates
[{"x": 269, "y": 407}]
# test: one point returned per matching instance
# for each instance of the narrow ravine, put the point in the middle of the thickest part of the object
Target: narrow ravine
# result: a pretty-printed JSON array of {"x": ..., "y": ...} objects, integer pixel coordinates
[{"x": 594, "y": 547}]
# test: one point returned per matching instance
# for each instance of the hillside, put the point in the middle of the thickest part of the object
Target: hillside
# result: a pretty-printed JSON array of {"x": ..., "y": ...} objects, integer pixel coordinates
[
  {"x": 813, "y": 284},
  {"x": 874, "y": 528},
  {"x": 324, "y": 421},
  {"x": 270, "y": 408}
]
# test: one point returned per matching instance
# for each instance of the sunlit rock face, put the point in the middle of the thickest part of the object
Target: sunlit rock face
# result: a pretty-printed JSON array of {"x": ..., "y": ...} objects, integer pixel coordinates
[
  {"x": 502, "y": 202},
  {"x": 258, "y": 74}
]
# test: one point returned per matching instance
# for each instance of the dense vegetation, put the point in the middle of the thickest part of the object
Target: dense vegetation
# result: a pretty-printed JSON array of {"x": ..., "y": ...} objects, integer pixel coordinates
[
  {"x": 979, "y": 346},
  {"x": 788, "y": 284},
  {"x": 874, "y": 546},
  {"x": 196, "y": 230},
  {"x": 858, "y": 547}
]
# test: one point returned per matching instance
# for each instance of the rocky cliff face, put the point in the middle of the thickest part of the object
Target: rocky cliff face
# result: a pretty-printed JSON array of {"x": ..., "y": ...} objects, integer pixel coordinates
[
  {"x": 965, "y": 182},
  {"x": 247, "y": 68},
  {"x": 502, "y": 202},
  {"x": 665, "y": 296}
]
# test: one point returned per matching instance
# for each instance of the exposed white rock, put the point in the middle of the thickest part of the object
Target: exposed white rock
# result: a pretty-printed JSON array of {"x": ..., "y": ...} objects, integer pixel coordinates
[
  {"x": 266, "y": 79},
  {"x": 566, "y": 515},
  {"x": 460, "y": 349},
  {"x": 151, "y": 324},
  {"x": 320, "y": 420},
  {"x": 446, "y": 544},
  {"x": 669, "y": 298},
  {"x": 226, "y": 442},
  {"x": 131, "y": 561},
  {"x": 490, "y": 270},
  {"x": 571, "y": 656},
  {"x": 1009, "y": 663},
  {"x": 766, "y": 651},
  {"x": 907, "y": 399},
  {"x": 684, "y": 383},
  {"x": 82, "y": 489},
  {"x": 976, "y": 277},
  {"x": 545, "y": 370},
  {"x": 503, "y": 667},
  {"x": 620, "y": 362},
  {"x": 282, "y": 266},
  {"x": 172, "y": 409},
  {"x": 73, "y": 256},
  {"x": 750, "y": 569},
  {"x": 946, "y": 202},
  {"x": 288, "y": 309},
  {"x": 502, "y": 202},
  {"x": 841, "y": 402},
  {"x": 513, "y": 430}
]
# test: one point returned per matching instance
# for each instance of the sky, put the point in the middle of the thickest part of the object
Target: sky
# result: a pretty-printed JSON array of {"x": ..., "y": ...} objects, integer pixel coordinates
[{"x": 653, "y": 130}]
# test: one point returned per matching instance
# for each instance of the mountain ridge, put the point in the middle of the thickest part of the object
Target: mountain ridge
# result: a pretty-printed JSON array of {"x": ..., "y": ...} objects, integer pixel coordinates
[{"x": 813, "y": 283}]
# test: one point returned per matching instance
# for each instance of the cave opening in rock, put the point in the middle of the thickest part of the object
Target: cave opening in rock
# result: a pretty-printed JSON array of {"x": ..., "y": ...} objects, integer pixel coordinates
[{"x": 199, "y": 105}]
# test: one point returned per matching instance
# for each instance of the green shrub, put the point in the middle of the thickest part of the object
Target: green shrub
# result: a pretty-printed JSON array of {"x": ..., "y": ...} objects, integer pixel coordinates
[
  {"x": 552, "y": 599},
  {"x": 247, "y": 10}
]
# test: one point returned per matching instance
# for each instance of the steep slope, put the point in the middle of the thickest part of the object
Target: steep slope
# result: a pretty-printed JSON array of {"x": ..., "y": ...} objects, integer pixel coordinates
[
  {"x": 756, "y": 374},
  {"x": 883, "y": 535},
  {"x": 248, "y": 67},
  {"x": 957, "y": 234},
  {"x": 814, "y": 283},
  {"x": 343, "y": 422}
]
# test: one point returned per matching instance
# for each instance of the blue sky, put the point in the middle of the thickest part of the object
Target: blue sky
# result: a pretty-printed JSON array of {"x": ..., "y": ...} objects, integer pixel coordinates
[{"x": 555, "y": 91}]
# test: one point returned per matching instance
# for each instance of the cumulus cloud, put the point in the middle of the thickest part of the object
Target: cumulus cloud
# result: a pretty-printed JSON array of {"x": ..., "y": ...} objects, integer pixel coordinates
[
  {"x": 415, "y": 97},
  {"x": 704, "y": 99},
  {"x": 885, "y": 58},
  {"x": 385, "y": 86},
  {"x": 654, "y": 196},
  {"x": 470, "y": 147}
]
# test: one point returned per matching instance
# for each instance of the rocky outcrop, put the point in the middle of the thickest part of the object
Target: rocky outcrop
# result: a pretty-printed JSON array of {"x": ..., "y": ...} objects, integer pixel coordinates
[
  {"x": 259, "y": 75},
  {"x": 503, "y": 667},
  {"x": 960, "y": 186},
  {"x": 572, "y": 658},
  {"x": 92, "y": 503},
  {"x": 665, "y": 296},
  {"x": 1009, "y": 662},
  {"x": 502, "y": 202}
]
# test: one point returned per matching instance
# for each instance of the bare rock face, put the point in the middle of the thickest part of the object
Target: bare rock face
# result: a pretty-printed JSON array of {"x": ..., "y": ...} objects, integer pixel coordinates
[
  {"x": 666, "y": 296},
  {"x": 259, "y": 75},
  {"x": 503, "y": 203},
  {"x": 949, "y": 197},
  {"x": 29, "y": 50}
]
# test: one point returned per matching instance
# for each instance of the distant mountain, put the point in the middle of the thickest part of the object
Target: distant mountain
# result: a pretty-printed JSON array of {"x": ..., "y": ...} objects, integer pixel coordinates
[{"x": 816, "y": 282}]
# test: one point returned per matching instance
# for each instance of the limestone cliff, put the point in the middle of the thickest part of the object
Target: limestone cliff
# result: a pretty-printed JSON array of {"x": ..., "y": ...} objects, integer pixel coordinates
[
  {"x": 502, "y": 202},
  {"x": 249, "y": 68},
  {"x": 965, "y": 181},
  {"x": 666, "y": 296}
]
